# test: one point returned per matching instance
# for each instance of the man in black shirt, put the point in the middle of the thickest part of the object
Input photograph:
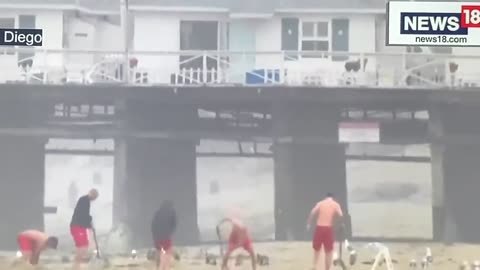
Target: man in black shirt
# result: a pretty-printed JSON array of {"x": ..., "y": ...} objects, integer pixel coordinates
[
  {"x": 81, "y": 222},
  {"x": 163, "y": 226}
]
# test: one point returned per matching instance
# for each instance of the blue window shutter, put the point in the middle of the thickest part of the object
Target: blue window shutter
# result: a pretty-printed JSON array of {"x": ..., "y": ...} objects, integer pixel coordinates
[{"x": 290, "y": 34}]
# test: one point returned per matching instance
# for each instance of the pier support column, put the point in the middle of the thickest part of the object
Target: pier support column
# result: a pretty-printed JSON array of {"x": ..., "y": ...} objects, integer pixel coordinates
[
  {"x": 455, "y": 174},
  {"x": 441, "y": 232},
  {"x": 462, "y": 190},
  {"x": 120, "y": 183},
  {"x": 22, "y": 167},
  {"x": 309, "y": 163},
  {"x": 160, "y": 169}
]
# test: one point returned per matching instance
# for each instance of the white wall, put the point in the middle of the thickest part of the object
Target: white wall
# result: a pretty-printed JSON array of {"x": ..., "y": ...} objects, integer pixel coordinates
[
  {"x": 391, "y": 63},
  {"x": 160, "y": 32},
  {"x": 75, "y": 26},
  {"x": 269, "y": 39},
  {"x": 109, "y": 37},
  {"x": 52, "y": 24},
  {"x": 101, "y": 35},
  {"x": 467, "y": 66}
]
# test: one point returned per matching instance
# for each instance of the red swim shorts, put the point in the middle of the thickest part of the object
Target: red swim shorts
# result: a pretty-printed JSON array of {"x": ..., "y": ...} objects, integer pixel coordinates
[
  {"x": 80, "y": 236},
  {"x": 324, "y": 236},
  {"x": 165, "y": 244},
  {"x": 240, "y": 238},
  {"x": 24, "y": 243}
]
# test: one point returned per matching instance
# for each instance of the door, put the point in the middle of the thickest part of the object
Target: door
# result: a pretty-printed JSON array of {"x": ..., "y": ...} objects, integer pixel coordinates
[
  {"x": 340, "y": 38},
  {"x": 290, "y": 35},
  {"x": 242, "y": 39},
  {"x": 26, "y": 22}
]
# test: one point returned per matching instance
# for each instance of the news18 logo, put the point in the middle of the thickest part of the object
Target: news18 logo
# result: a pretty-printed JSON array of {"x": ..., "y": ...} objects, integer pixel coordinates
[
  {"x": 21, "y": 37},
  {"x": 470, "y": 16},
  {"x": 432, "y": 23}
]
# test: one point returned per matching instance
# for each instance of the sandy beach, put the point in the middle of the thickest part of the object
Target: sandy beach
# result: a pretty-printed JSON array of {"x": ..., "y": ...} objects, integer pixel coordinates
[{"x": 290, "y": 256}]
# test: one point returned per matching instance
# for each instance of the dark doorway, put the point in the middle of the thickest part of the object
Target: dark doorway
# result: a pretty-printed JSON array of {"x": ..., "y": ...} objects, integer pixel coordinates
[
  {"x": 340, "y": 38},
  {"x": 198, "y": 35},
  {"x": 290, "y": 36}
]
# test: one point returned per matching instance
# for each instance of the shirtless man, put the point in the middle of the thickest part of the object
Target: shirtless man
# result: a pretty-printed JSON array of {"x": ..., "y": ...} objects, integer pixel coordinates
[
  {"x": 81, "y": 222},
  {"x": 327, "y": 210},
  {"x": 239, "y": 237},
  {"x": 32, "y": 243}
]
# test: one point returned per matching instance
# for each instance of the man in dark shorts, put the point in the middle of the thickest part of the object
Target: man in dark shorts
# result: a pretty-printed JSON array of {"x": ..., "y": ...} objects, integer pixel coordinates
[
  {"x": 164, "y": 224},
  {"x": 79, "y": 226},
  {"x": 327, "y": 210}
]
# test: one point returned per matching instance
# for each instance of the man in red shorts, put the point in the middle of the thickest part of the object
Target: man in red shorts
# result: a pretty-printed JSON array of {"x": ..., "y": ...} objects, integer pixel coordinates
[
  {"x": 239, "y": 238},
  {"x": 33, "y": 242},
  {"x": 81, "y": 222},
  {"x": 164, "y": 224},
  {"x": 327, "y": 210}
]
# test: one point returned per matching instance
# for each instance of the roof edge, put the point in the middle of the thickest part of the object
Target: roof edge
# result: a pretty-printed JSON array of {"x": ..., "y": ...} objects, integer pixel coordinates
[
  {"x": 58, "y": 7},
  {"x": 176, "y": 8},
  {"x": 251, "y": 15},
  {"x": 331, "y": 10},
  {"x": 233, "y": 14},
  {"x": 257, "y": 14}
]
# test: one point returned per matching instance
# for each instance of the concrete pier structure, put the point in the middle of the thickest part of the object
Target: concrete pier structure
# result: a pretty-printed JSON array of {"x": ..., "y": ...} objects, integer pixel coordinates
[
  {"x": 158, "y": 170},
  {"x": 150, "y": 170},
  {"x": 22, "y": 167},
  {"x": 308, "y": 164},
  {"x": 455, "y": 173}
]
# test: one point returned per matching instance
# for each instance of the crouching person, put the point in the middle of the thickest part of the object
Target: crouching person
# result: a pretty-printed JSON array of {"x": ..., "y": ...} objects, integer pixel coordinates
[{"x": 33, "y": 242}]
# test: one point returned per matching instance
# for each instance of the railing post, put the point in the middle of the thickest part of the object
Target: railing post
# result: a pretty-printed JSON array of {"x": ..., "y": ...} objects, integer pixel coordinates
[
  {"x": 45, "y": 64},
  {"x": 204, "y": 67},
  {"x": 125, "y": 25},
  {"x": 404, "y": 69},
  {"x": 282, "y": 69}
]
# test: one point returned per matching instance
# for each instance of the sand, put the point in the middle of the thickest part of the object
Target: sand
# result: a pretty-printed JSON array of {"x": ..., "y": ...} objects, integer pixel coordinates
[{"x": 296, "y": 256}]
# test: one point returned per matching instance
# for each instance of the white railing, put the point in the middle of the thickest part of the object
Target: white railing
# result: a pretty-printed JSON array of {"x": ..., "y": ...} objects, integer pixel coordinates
[{"x": 286, "y": 68}]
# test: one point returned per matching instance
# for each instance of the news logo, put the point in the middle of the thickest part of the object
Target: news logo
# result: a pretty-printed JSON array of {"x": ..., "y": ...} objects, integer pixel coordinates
[
  {"x": 431, "y": 23},
  {"x": 21, "y": 37},
  {"x": 453, "y": 24}
]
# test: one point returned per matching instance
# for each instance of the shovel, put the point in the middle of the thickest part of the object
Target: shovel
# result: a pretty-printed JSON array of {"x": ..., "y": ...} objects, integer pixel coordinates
[{"x": 98, "y": 262}]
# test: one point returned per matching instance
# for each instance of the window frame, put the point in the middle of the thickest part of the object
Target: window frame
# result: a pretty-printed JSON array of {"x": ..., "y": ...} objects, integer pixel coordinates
[
  {"x": 315, "y": 37},
  {"x": 15, "y": 25}
]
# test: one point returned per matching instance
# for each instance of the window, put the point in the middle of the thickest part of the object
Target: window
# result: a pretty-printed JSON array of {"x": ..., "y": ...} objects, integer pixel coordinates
[
  {"x": 315, "y": 45},
  {"x": 315, "y": 37},
  {"x": 8, "y": 23},
  {"x": 198, "y": 35},
  {"x": 27, "y": 22}
]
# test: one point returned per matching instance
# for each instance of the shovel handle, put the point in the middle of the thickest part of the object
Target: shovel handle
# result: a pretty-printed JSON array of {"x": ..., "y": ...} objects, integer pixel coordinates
[{"x": 96, "y": 242}]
